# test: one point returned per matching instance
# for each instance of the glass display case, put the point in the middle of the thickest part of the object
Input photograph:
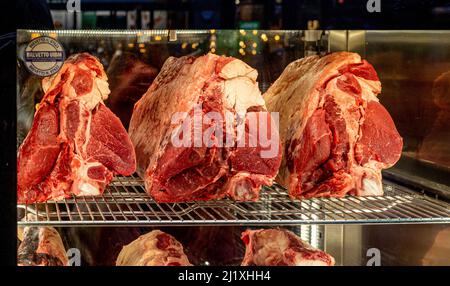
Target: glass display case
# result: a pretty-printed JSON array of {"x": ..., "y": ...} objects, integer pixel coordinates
[{"x": 407, "y": 225}]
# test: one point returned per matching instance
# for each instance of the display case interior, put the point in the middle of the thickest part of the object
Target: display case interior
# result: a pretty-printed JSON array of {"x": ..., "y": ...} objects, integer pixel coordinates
[{"x": 413, "y": 67}]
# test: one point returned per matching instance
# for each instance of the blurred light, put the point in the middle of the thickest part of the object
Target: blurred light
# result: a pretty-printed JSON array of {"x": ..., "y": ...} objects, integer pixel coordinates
[
  {"x": 277, "y": 37},
  {"x": 241, "y": 44},
  {"x": 36, "y": 106},
  {"x": 142, "y": 50},
  {"x": 212, "y": 44},
  {"x": 53, "y": 35},
  {"x": 243, "y": 32},
  {"x": 255, "y": 32},
  {"x": 264, "y": 37},
  {"x": 254, "y": 45},
  {"x": 194, "y": 45},
  {"x": 35, "y": 35},
  {"x": 253, "y": 52},
  {"x": 141, "y": 45},
  {"x": 213, "y": 31},
  {"x": 184, "y": 45},
  {"x": 158, "y": 38},
  {"x": 130, "y": 45},
  {"x": 139, "y": 33},
  {"x": 213, "y": 50},
  {"x": 237, "y": 2},
  {"x": 313, "y": 25},
  {"x": 241, "y": 50}
]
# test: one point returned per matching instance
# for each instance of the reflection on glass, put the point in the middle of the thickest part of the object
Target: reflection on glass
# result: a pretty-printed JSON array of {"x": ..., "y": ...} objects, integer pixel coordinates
[{"x": 435, "y": 146}]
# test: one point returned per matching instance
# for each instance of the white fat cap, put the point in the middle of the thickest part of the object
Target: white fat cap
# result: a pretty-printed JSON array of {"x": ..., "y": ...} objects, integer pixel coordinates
[{"x": 237, "y": 68}]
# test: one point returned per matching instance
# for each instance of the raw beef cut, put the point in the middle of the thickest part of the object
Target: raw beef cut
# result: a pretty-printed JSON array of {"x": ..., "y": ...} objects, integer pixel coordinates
[
  {"x": 336, "y": 135},
  {"x": 280, "y": 247},
  {"x": 207, "y": 85},
  {"x": 41, "y": 246},
  {"x": 76, "y": 144},
  {"x": 155, "y": 248}
]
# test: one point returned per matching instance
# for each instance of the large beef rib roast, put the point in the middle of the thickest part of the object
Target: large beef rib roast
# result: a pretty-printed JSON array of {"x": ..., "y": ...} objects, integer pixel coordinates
[
  {"x": 76, "y": 144},
  {"x": 280, "y": 247},
  {"x": 336, "y": 135},
  {"x": 155, "y": 248},
  {"x": 222, "y": 163}
]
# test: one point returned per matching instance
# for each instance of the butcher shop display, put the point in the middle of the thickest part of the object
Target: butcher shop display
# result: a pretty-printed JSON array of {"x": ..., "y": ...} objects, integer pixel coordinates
[
  {"x": 76, "y": 144},
  {"x": 280, "y": 247},
  {"x": 336, "y": 135},
  {"x": 41, "y": 246},
  {"x": 244, "y": 151},
  {"x": 214, "y": 88},
  {"x": 155, "y": 248}
]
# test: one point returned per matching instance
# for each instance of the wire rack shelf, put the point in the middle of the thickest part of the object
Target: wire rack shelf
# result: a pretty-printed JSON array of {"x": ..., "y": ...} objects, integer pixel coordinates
[{"x": 125, "y": 203}]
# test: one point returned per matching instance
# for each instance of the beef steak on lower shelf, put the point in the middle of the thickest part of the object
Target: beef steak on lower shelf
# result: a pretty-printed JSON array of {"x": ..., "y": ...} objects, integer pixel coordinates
[
  {"x": 280, "y": 247},
  {"x": 76, "y": 144},
  {"x": 155, "y": 248},
  {"x": 41, "y": 246}
]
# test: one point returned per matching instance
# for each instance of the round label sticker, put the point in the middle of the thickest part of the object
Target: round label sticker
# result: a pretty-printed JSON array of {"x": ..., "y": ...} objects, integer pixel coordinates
[{"x": 44, "y": 56}]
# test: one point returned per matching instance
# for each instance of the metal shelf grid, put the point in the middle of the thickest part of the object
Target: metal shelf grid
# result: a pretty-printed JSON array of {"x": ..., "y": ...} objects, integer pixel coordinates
[{"x": 125, "y": 203}]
